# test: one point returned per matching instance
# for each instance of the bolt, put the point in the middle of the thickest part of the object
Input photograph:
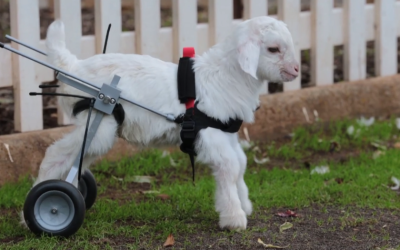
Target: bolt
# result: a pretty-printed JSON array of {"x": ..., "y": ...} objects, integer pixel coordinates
[
  {"x": 106, "y": 100},
  {"x": 112, "y": 101},
  {"x": 54, "y": 211},
  {"x": 101, "y": 96}
]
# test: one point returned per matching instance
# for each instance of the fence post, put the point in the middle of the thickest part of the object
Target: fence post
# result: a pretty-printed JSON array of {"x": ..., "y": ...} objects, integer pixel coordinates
[
  {"x": 354, "y": 40},
  {"x": 321, "y": 42},
  {"x": 385, "y": 38},
  {"x": 147, "y": 27},
  {"x": 289, "y": 12},
  {"x": 106, "y": 12},
  {"x": 63, "y": 10},
  {"x": 220, "y": 17},
  {"x": 28, "y": 114},
  {"x": 254, "y": 8},
  {"x": 184, "y": 21}
]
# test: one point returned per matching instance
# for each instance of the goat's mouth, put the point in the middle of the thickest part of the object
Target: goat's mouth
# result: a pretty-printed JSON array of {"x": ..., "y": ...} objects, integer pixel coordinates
[{"x": 287, "y": 77}]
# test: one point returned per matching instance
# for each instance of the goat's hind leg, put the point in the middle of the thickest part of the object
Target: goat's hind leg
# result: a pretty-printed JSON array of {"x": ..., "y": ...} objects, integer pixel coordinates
[{"x": 61, "y": 155}]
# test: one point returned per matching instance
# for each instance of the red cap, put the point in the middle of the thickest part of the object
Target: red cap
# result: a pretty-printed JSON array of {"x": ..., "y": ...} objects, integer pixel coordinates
[{"x": 188, "y": 52}]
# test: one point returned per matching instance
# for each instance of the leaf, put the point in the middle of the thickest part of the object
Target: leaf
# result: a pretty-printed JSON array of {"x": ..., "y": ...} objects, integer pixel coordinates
[
  {"x": 116, "y": 178},
  {"x": 377, "y": 153},
  {"x": 270, "y": 245},
  {"x": 245, "y": 144},
  {"x": 316, "y": 115},
  {"x": 163, "y": 196},
  {"x": 306, "y": 114},
  {"x": 366, "y": 122},
  {"x": 150, "y": 192},
  {"x": 261, "y": 161},
  {"x": 350, "y": 130},
  {"x": 335, "y": 146},
  {"x": 288, "y": 213},
  {"x": 378, "y": 145},
  {"x": 139, "y": 179},
  {"x": 8, "y": 151},
  {"x": 170, "y": 241},
  {"x": 339, "y": 180},
  {"x": 397, "y": 182},
  {"x": 165, "y": 153},
  {"x": 246, "y": 134},
  {"x": 320, "y": 170},
  {"x": 172, "y": 162},
  {"x": 285, "y": 226}
]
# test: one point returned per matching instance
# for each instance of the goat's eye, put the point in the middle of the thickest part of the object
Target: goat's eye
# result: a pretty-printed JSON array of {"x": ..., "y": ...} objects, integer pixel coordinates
[{"x": 273, "y": 49}]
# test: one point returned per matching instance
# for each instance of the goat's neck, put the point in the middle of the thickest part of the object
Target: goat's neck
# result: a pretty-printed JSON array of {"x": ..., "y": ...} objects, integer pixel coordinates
[{"x": 223, "y": 89}]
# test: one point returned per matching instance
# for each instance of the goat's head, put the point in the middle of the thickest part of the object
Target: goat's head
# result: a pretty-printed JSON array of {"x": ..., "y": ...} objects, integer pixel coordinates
[{"x": 265, "y": 50}]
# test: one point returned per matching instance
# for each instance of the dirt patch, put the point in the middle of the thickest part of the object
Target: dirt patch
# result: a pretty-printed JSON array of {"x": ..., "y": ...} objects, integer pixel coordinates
[
  {"x": 125, "y": 193},
  {"x": 316, "y": 227}
]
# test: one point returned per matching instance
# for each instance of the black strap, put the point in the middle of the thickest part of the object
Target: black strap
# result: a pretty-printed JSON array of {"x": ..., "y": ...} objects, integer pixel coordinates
[
  {"x": 192, "y": 122},
  {"x": 188, "y": 136},
  {"x": 186, "y": 80},
  {"x": 118, "y": 112},
  {"x": 204, "y": 121}
]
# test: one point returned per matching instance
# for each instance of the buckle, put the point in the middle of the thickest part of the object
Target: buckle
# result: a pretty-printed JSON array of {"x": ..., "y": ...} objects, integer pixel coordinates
[{"x": 188, "y": 125}]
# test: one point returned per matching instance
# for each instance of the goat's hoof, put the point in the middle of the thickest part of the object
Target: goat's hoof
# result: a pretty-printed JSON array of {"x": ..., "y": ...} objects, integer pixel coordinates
[
  {"x": 234, "y": 222},
  {"x": 247, "y": 207}
]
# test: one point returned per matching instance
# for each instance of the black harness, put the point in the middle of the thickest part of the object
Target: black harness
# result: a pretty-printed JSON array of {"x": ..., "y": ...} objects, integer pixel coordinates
[
  {"x": 118, "y": 112},
  {"x": 192, "y": 121}
]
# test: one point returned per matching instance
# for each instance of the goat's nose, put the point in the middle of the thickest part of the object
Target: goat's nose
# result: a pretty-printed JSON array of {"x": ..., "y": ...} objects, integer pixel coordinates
[{"x": 296, "y": 68}]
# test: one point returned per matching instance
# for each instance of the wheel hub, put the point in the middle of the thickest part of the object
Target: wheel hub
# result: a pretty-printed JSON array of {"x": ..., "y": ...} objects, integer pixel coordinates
[{"x": 54, "y": 210}]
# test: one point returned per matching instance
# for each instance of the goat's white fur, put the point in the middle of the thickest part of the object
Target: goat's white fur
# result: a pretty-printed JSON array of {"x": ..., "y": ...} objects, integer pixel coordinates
[{"x": 229, "y": 77}]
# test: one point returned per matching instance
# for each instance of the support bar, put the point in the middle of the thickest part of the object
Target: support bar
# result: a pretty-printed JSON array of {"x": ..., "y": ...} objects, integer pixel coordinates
[
  {"x": 24, "y": 44},
  {"x": 48, "y": 65}
]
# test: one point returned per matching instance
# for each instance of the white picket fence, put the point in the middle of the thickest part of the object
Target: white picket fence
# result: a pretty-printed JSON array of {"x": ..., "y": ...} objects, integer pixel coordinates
[{"x": 320, "y": 30}]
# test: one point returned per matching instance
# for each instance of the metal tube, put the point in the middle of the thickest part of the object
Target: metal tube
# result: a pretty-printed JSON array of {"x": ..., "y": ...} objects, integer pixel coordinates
[
  {"x": 169, "y": 117},
  {"x": 24, "y": 44},
  {"x": 47, "y": 65}
]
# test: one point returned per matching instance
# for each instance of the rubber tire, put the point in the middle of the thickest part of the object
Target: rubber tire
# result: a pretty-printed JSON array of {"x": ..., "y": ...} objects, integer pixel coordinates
[
  {"x": 54, "y": 185},
  {"x": 89, "y": 182}
]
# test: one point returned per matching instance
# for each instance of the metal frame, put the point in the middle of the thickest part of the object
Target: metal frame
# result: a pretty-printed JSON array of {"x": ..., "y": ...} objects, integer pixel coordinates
[{"x": 104, "y": 100}]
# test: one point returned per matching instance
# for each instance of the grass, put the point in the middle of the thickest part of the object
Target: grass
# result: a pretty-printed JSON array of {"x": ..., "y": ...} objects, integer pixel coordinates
[{"x": 145, "y": 220}]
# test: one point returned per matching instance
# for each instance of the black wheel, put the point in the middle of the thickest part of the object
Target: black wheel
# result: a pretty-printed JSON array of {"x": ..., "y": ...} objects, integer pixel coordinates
[
  {"x": 55, "y": 208},
  {"x": 88, "y": 188}
]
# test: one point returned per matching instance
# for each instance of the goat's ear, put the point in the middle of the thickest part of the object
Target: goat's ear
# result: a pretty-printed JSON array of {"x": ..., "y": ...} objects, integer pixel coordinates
[{"x": 249, "y": 54}]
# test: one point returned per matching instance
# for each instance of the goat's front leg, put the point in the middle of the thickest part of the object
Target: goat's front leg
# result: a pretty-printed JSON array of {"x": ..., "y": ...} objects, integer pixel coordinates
[
  {"x": 214, "y": 148},
  {"x": 243, "y": 191}
]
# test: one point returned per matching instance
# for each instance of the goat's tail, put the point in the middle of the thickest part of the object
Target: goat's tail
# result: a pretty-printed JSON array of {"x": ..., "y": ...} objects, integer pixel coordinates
[{"x": 57, "y": 52}]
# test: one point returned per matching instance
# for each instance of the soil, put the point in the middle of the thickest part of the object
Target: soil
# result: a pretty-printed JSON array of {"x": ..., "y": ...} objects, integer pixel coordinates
[{"x": 377, "y": 229}]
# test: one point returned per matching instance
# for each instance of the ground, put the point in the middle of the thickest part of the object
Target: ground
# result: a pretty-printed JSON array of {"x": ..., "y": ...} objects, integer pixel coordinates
[
  {"x": 144, "y": 199},
  {"x": 47, "y": 16}
]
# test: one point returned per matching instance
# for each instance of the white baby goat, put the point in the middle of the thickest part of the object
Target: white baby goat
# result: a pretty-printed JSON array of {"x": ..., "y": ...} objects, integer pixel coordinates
[{"x": 229, "y": 77}]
